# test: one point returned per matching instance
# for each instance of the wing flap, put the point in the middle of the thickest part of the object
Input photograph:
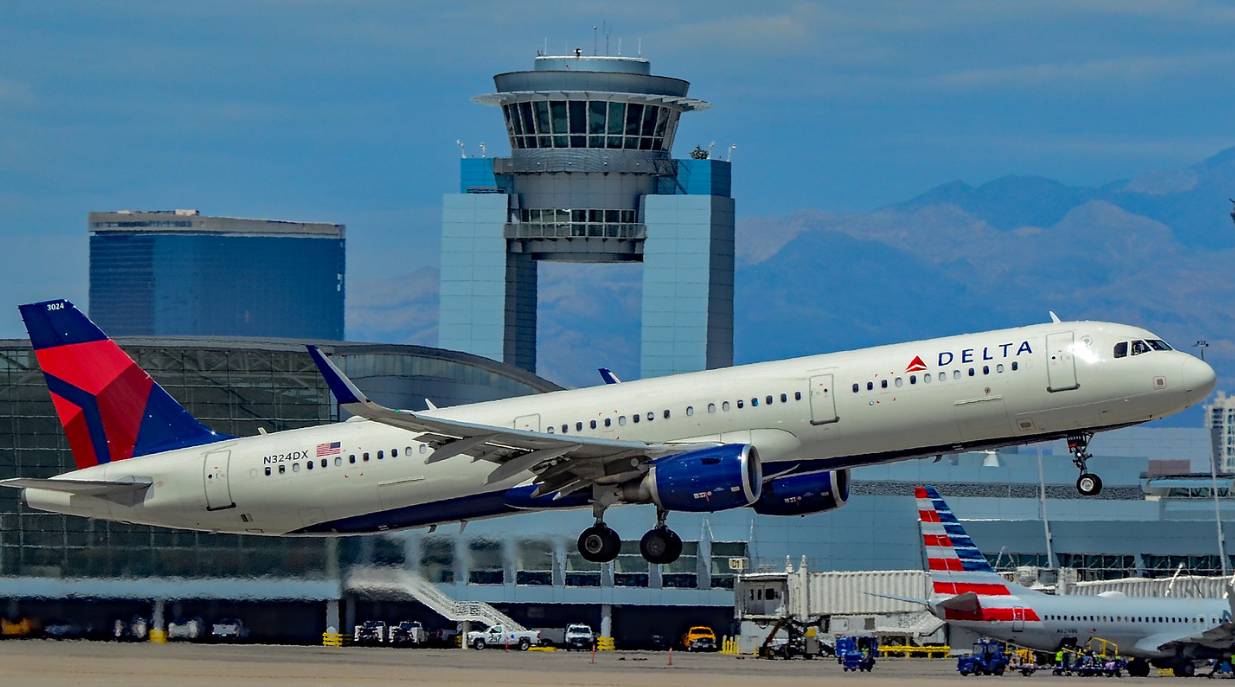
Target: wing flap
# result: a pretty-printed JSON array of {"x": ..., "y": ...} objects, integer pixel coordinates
[{"x": 80, "y": 487}]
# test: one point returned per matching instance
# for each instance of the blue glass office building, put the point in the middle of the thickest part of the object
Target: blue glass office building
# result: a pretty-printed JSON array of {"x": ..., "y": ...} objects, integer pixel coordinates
[
  {"x": 179, "y": 273},
  {"x": 590, "y": 179}
]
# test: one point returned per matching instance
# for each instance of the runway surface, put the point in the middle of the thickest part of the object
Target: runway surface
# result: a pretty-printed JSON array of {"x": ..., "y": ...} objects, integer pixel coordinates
[{"x": 79, "y": 663}]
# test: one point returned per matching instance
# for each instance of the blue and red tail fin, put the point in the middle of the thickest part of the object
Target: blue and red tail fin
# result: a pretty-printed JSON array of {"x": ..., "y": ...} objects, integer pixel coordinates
[
  {"x": 109, "y": 407},
  {"x": 954, "y": 561}
]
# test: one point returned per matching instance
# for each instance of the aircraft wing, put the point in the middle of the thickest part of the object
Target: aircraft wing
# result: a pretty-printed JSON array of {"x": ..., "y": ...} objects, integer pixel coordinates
[
  {"x": 562, "y": 463},
  {"x": 81, "y": 487},
  {"x": 1220, "y": 637}
]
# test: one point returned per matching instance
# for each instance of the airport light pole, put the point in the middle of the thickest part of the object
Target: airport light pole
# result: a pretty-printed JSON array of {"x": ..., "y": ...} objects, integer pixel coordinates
[
  {"x": 1046, "y": 523},
  {"x": 1213, "y": 484}
]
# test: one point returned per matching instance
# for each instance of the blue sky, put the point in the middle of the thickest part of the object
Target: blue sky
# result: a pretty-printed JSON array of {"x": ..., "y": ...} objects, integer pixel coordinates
[{"x": 349, "y": 112}]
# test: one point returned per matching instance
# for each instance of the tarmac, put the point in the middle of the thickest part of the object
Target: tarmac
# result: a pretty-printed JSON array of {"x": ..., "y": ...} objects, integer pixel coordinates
[{"x": 49, "y": 663}]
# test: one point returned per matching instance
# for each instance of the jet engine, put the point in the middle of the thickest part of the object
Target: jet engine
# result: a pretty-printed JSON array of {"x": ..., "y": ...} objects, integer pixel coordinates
[
  {"x": 710, "y": 479},
  {"x": 804, "y": 494}
]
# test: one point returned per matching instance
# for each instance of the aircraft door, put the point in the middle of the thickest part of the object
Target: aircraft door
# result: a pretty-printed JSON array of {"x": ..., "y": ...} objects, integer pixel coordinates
[
  {"x": 528, "y": 423},
  {"x": 218, "y": 489},
  {"x": 822, "y": 400},
  {"x": 1018, "y": 619},
  {"x": 1060, "y": 362}
]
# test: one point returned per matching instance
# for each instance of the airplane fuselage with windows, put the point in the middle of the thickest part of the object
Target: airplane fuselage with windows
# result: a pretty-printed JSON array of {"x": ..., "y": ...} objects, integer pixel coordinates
[{"x": 616, "y": 443}]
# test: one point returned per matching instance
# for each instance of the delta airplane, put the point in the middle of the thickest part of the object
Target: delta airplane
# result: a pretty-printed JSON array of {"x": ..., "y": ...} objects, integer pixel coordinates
[
  {"x": 1168, "y": 633},
  {"x": 778, "y": 437}
]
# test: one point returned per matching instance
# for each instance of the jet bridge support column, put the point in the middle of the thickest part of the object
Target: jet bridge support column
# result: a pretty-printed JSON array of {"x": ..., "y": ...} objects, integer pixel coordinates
[
  {"x": 158, "y": 622},
  {"x": 605, "y": 637},
  {"x": 332, "y": 636}
]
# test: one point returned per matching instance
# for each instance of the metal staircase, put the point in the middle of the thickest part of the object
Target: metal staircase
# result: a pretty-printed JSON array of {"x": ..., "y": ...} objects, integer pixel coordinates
[{"x": 389, "y": 582}]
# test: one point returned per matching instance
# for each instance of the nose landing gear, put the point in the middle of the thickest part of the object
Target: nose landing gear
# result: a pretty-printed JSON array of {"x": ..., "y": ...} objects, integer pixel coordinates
[
  {"x": 1088, "y": 484},
  {"x": 660, "y": 545}
]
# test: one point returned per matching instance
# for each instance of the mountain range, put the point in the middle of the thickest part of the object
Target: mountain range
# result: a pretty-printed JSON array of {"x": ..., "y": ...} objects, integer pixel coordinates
[{"x": 1156, "y": 250}]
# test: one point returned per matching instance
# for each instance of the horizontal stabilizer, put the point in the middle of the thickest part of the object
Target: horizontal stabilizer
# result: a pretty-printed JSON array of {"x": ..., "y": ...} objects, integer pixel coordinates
[
  {"x": 80, "y": 487},
  {"x": 966, "y": 603}
]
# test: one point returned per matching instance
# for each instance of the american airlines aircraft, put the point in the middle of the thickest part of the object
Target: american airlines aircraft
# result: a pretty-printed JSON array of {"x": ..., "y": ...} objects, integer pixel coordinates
[
  {"x": 778, "y": 437},
  {"x": 1169, "y": 633}
]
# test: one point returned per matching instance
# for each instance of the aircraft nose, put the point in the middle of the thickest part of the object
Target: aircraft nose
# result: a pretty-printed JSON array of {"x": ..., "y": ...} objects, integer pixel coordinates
[{"x": 1197, "y": 377}]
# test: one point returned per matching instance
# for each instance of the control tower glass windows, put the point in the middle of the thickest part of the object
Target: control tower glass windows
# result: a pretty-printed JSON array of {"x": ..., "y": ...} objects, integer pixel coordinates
[
  {"x": 578, "y": 124},
  {"x": 617, "y": 114},
  {"x": 542, "y": 123},
  {"x": 589, "y": 124},
  {"x": 596, "y": 123}
]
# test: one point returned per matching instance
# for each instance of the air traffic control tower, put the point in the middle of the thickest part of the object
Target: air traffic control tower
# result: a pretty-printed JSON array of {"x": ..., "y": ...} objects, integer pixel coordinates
[{"x": 590, "y": 179}]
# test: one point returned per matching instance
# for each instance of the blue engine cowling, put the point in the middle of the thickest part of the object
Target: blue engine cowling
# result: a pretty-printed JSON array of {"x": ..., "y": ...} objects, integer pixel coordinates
[
  {"x": 710, "y": 479},
  {"x": 804, "y": 494}
]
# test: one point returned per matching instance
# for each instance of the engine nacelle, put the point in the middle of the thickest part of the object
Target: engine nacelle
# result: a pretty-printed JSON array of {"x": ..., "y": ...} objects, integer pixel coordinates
[
  {"x": 710, "y": 479},
  {"x": 804, "y": 494}
]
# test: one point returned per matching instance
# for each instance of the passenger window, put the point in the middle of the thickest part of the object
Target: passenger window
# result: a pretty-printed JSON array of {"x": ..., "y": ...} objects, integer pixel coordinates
[
  {"x": 711, "y": 408},
  {"x": 651, "y": 415},
  {"x": 754, "y": 402},
  {"x": 926, "y": 378},
  {"x": 870, "y": 386},
  {"x": 797, "y": 395},
  {"x": 855, "y": 387},
  {"x": 608, "y": 422},
  {"x": 725, "y": 406},
  {"x": 666, "y": 413},
  {"x": 634, "y": 417},
  {"x": 338, "y": 460},
  {"x": 1015, "y": 366},
  {"x": 394, "y": 453},
  {"x": 913, "y": 379},
  {"x": 1121, "y": 349},
  {"x": 565, "y": 428},
  {"x": 999, "y": 368},
  {"x": 900, "y": 382},
  {"x": 309, "y": 465},
  {"x": 295, "y": 467},
  {"x": 550, "y": 429},
  {"x": 352, "y": 459},
  {"x": 972, "y": 372},
  {"x": 592, "y": 424},
  {"x": 986, "y": 369},
  {"x": 622, "y": 420},
  {"x": 768, "y": 400},
  {"x": 366, "y": 457},
  {"x": 380, "y": 455},
  {"x": 740, "y": 406},
  {"x": 784, "y": 398},
  {"x": 282, "y": 469},
  {"x": 424, "y": 448},
  {"x": 690, "y": 410},
  {"x": 956, "y": 374},
  {"x": 407, "y": 451},
  {"x": 324, "y": 463},
  {"x": 943, "y": 376},
  {"x": 1139, "y": 347},
  {"x": 883, "y": 384},
  {"x": 267, "y": 471},
  {"x": 578, "y": 426}
]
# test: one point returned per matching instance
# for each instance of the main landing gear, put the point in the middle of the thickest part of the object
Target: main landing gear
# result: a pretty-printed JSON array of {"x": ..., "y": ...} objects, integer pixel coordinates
[
  {"x": 600, "y": 544},
  {"x": 660, "y": 545},
  {"x": 1088, "y": 484}
]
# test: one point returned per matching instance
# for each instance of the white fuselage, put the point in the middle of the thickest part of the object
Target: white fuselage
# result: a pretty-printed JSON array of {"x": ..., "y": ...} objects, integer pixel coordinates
[
  {"x": 1137, "y": 627},
  {"x": 819, "y": 412}
]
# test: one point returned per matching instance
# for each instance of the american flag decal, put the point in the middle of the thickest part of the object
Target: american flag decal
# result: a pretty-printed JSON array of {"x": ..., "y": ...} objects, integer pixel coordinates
[{"x": 331, "y": 449}]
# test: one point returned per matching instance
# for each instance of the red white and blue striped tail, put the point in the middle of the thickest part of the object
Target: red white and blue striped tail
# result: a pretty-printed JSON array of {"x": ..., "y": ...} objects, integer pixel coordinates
[{"x": 955, "y": 563}]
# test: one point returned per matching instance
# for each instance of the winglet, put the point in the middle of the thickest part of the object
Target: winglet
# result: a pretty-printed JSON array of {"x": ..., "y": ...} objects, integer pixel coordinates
[
  {"x": 345, "y": 392},
  {"x": 1054, "y": 317},
  {"x": 607, "y": 375}
]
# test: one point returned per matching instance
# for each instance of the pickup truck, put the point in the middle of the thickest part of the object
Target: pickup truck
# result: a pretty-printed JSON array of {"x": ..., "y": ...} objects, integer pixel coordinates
[
  {"x": 500, "y": 636},
  {"x": 579, "y": 638},
  {"x": 407, "y": 633}
]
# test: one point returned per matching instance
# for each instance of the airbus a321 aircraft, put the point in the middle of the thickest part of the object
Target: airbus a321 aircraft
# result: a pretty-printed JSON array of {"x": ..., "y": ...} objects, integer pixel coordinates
[
  {"x": 1169, "y": 633},
  {"x": 778, "y": 437}
]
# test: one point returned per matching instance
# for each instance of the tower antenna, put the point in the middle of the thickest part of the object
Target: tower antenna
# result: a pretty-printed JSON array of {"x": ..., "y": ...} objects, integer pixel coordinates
[
  {"x": 619, "y": 47},
  {"x": 595, "y": 39},
  {"x": 640, "y": 45}
]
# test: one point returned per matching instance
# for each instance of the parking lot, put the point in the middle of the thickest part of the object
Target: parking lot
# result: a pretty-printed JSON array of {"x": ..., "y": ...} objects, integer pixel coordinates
[{"x": 78, "y": 663}]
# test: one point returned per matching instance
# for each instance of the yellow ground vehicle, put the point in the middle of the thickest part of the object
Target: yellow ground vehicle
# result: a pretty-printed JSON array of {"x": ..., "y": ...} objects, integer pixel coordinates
[{"x": 699, "y": 638}]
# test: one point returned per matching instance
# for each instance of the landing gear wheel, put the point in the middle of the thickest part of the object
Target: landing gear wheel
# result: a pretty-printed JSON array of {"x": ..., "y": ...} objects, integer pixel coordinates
[
  {"x": 1184, "y": 669},
  {"x": 1138, "y": 667},
  {"x": 660, "y": 546},
  {"x": 599, "y": 544},
  {"x": 1089, "y": 484}
]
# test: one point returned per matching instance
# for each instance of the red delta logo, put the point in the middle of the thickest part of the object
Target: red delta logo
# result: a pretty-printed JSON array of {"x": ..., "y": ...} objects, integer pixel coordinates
[{"x": 916, "y": 365}]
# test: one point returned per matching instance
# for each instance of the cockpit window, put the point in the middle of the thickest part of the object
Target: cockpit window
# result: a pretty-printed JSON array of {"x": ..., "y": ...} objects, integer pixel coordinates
[
  {"x": 1121, "y": 349},
  {"x": 1159, "y": 345},
  {"x": 1139, "y": 347}
]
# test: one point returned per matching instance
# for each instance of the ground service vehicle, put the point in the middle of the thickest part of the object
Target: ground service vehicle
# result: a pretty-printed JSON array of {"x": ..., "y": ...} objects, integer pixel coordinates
[
  {"x": 191, "y": 629},
  {"x": 229, "y": 630},
  {"x": 700, "y": 638},
  {"x": 987, "y": 658},
  {"x": 370, "y": 632},
  {"x": 579, "y": 637},
  {"x": 407, "y": 633},
  {"x": 500, "y": 636}
]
